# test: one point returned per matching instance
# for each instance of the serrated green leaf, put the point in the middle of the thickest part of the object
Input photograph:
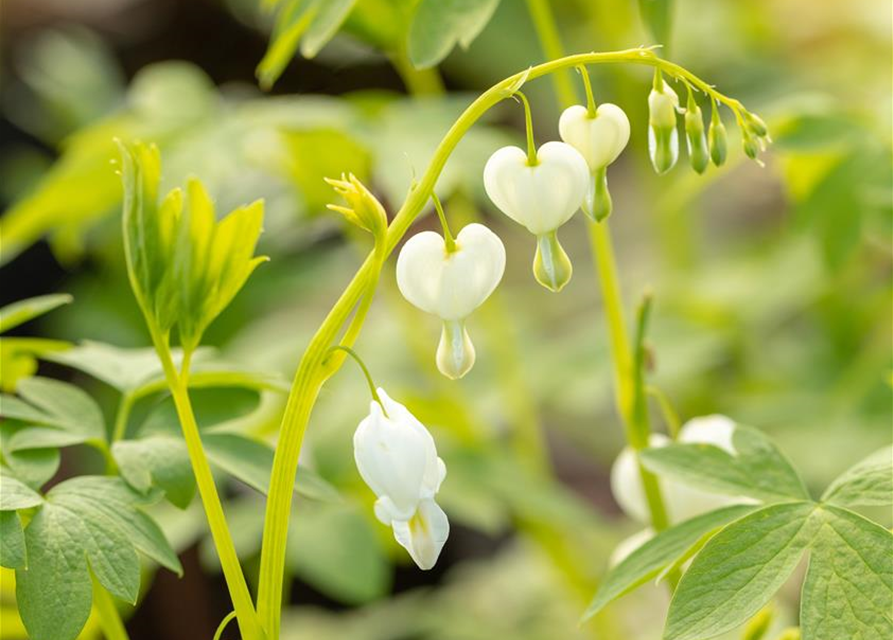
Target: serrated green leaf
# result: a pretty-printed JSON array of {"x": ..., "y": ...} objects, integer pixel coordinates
[
  {"x": 438, "y": 25},
  {"x": 739, "y": 570},
  {"x": 12, "y": 315},
  {"x": 665, "y": 549},
  {"x": 55, "y": 404},
  {"x": 160, "y": 461},
  {"x": 12, "y": 540},
  {"x": 334, "y": 548},
  {"x": 848, "y": 591},
  {"x": 868, "y": 483},
  {"x": 15, "y": 494},
  {"x": 757, "y": 470}
]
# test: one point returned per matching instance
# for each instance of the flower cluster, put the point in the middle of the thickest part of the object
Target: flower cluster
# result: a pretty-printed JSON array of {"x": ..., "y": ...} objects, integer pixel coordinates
[{"x": 540, "y": 188}]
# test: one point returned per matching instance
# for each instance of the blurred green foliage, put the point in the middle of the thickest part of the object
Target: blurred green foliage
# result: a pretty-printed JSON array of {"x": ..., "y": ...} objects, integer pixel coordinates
[{"x": 773, "y": 286}]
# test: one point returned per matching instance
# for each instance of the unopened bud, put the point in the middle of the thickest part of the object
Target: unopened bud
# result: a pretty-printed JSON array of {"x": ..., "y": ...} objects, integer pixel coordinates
[
  {"x": 755, "y": 123},
  {"x": 717, "y": 139},
  {"x": 694, "y": 136},
  {"x": 663, "y": 139},
  {"x": 363, "y": 209}
]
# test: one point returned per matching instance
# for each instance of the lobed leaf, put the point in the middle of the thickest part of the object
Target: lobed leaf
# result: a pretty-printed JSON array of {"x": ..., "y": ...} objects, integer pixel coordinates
[
  {"x": 848, "y": 591},
  {"x": 739, "y": 570},
  {"x": 16, "y": 313},
  {"x": 15, "y": 494},
  {"x": 438, "y": 25},
  {"x": 12, "y": 549},
  {"x": 666, "y": 549},
  {"x": 868, "y": 483},
  {"x": 33, "y": 467},
  {"x": 757, "y": 470}
]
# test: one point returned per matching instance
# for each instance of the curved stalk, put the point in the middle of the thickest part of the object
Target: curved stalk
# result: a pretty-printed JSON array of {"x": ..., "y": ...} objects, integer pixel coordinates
[
  {"x": 107, "y": 613},
  {"x": 311, "y": 374}
]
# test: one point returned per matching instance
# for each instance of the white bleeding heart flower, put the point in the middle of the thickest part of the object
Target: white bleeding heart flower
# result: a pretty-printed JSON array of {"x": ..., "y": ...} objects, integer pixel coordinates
[
  {"x": 600, "y": 138},
  {"x": 397, "y": 458},
  {"x": 451, "y": 285},
  {"x": 682, "y": 501},
  {"x": 541, "y": 196}
]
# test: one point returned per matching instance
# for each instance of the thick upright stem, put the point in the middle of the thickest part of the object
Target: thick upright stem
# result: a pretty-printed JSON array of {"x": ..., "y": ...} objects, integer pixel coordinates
[
  {"x": 109, "y": 618},
  {"x": 550, "y": 40},
  {"x": 249, "y": 626}
]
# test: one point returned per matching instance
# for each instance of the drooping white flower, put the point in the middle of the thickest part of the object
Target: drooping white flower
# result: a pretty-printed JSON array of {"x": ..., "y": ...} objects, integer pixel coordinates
[
  {"x": 682, "y": 501},
  {"x": 541, "y": 195},
  {"x": 451, "y": 285},
  {"x": 397, "y": 458},
  {"x": 599, "y": 138}
]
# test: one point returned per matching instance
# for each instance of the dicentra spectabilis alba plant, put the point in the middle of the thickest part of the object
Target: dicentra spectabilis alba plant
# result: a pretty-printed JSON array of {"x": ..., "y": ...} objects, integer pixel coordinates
[
  {"x": 744, "y": 513},
  {"x": 450, "y": 278},
  {"x": 540, "y": 189}
]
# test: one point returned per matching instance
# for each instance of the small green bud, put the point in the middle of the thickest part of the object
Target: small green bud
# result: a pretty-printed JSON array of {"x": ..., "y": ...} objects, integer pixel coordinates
[
  {"x": 598, "y": 205},
  {"x": 751, "y": 145},
  {"x": 551, "y": 266},
  {"x": 694, "y": 136},
  {"x": 363, "y": 209},
  {"x": 717, "y": 139},
  {"x": 755, "y": 123},
  {"x": 663, "y": 139}
]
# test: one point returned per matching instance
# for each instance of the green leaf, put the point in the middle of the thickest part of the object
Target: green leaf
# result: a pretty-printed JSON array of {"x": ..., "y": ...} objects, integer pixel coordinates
[
  {"x": 18, "y": 358},
  {"x": 12, "y": 541},
  {"x": 12, "y": 315},
  {"x": 309, "y": 24},
  {"x": 157, "y": 461},
  {"x": 15, "y": 494},
  {"x": 334, "y": 548},
  {"x": 848, "y": 592},
  {"x": 757, "y": 470},
  {"x": 657, "y": 15},
  {"x": 34, "y": 467},
  {"x": 55, "y": 593},
  {"x": 439, "y": 24},
  {"x": 739, "y": 570},
  {"x": 665, "y": 549},
  {"x": 59, "y": 405},
  {"x": 868, "y": 483}
]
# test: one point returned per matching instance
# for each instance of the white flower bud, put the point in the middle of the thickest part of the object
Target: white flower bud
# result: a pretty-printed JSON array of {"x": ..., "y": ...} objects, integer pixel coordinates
[
  {"x": 397, "y": 458},
  {"x": 451, "y": 285},
  {"x": 600, "y": 139},
  {"x": 541, "y": 197}
]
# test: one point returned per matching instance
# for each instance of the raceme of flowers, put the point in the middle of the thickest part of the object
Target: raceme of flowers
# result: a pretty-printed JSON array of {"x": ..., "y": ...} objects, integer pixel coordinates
[{"x": 540, "y": 188}]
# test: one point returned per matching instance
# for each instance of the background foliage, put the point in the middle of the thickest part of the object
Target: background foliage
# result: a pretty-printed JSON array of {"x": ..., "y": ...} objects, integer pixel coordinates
[{"x": 772, "y": 285}]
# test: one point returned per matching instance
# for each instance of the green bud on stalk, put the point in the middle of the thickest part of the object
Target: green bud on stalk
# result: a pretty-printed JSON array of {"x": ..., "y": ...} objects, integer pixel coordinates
[
  {"x": 751, "y": 144},
  {"x": 694, "y": 135},
  {"x": 717, "y": 139},
  {"x": 663, "y": 139},
  {"x": 755, "y": 123}
]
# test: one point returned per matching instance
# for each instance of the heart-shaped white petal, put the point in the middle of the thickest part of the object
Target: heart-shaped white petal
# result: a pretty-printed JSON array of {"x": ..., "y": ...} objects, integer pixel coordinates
[
  {"x": 451, "y": 285},
  {"x": 541, "y": 197},
  {"x": 599, "y": 139}
]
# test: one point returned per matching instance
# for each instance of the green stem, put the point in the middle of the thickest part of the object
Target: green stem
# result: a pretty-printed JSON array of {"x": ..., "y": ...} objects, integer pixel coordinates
[
  {"x": 550, "y": 40},
  {"x": 591, "y": 106},
  {"x": 353, "y": 354},
  {"x": 310, "y": 374},
  {"x": 532, "y": 160},
  {"x": 222, "y": 626},
  {"x": 418, "y": 82},
  {"x": 122, "y": 414},
  {"x": 447, "y": 235},
  {"x": 249, "y": 625},
  {"x": 107, "y": 613}
]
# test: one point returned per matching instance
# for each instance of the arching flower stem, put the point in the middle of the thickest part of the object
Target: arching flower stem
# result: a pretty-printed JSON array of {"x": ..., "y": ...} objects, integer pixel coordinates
[
  {"x": 532, "y": 160},
  {"x": 372, "y": 388},
  {"x": 447, "y": 235},
  {"x": 591, "y": 106}
]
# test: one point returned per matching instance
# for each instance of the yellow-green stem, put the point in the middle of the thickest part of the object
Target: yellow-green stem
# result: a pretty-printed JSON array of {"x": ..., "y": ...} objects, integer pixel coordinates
[
  {"x": 310, "y": 376},
  {"x": 107, "y": 613},
  {"x": 122, "y": 414},
  {"x": 419, "y": 82},
  {"x": 246, "y": 616}
]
